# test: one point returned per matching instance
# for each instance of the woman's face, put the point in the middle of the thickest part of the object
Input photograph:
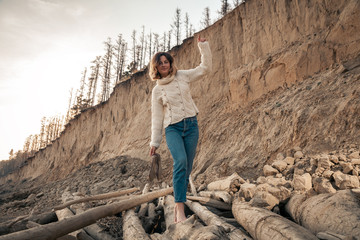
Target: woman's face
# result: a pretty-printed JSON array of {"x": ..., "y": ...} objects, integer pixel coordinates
[{"x": 163, "y": 66}]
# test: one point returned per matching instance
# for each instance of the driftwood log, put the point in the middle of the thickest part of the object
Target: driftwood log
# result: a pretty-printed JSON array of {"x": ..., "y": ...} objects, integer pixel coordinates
[
  {"x": 218, "y": 195},
  {"x": 192, "y": 186},
  {"x": 144, "y": 206},
  {"x": 192, "y": 229},
  {"x": 61, "y": 228},
  {"x": 229, "y": 184},
  {"x": 210, "y": 218},
  {"x": 263, "y": 224},
  {"x": 132, "y": 228},
  {"x": 336, "y": 212},
  {"x": 169, "y": 206},
  {"x": 96, "y": 197},
  {"x": 210, "y": 202}
]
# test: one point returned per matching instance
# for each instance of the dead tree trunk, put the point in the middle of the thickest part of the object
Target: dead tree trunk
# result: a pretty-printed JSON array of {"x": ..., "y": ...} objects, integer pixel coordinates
[
  {"x": 132, "y": 228},
  {"x": 58, "y": 229},
  {"x": 218, "y": 195},
  {"x": 263, "y": 224},
  {"x": 325, "y": 212},
  {"x": 229, "y": 184},
  {"x": 212, "y": 219}
]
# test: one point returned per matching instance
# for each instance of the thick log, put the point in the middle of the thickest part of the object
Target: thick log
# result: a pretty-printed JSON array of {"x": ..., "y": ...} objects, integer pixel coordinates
[
  {"x": 96, "y": 197},
  {"x": 169, "y": 206},
  {"x": 210, "y": 202},
  {"x": 336, "y": 212},
  {"x": 210, "y": 218},
  {"x": 193, "y": 230},
  {"x": 66, "y": 213},
  {"x": 226, "y": 184},
  {"x": 84, "y": 236},
  {"x": 61, "y": 228},
  {"x": 263, "y": 224},
  {"x": 132, "y": 228},
  {"x": 218, "y": 195},
  {"x": 94, "y": 230}
]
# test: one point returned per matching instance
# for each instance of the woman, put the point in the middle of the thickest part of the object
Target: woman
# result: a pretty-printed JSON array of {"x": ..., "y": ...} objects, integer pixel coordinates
[{"x": 174, "y": 109}]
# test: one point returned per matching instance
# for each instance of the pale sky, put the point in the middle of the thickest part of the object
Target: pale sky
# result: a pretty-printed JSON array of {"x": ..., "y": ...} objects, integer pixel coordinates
[{"x": 46, "y": 44}]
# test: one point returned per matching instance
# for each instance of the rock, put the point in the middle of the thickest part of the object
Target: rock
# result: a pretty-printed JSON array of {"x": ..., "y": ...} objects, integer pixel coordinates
[
  {"x": 334, "y": 159},
  {"x": 280, "y": 156},
  {"x": 328, "y": 174},
  {"x": 261, "y": 180},
  {"x": 264, "y": 200},
  {"x": 269, "y": 170},
  {"x": 344, "y": 181},
  {"x": 290, "y": 160},
  {"x": 247, "y": 190},
  {"x": 354, "y": 155},
  {"x": 277, "y": 182},
  {"x": 281, "y": 193},
  {"x": 302, "y": 183},
  {"x": 323, "y": 164},
  {"x": 355, "y": 161},
  {"x": 355, "y": 171},
  {"x": 280, "y": 165},
  {"x": 342, "y": 157},
  {"x": 298, "y": 155},
  {"x": 347, "y": 167},
  {"x": 323, "y": 185}
]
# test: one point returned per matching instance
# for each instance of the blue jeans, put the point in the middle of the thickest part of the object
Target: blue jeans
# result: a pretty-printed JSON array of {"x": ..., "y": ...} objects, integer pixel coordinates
[{"x": 182, "y": 139}]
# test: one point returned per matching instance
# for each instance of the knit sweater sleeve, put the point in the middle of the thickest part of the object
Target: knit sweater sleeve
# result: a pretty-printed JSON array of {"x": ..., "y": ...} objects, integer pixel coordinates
[
  {"x": 157, "y": 117},
  {"x": 205, "y": 65}
]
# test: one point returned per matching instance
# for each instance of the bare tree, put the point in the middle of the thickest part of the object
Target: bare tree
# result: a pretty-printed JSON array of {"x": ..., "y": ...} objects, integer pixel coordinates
[
  {"x": 237, "y": 2},
  {"x": 176, "y": 26},
  {"x": 142, "y": 52},
  {"x": 187, "y": 25},
  {"x": 225, "y": 8},
  {"x": 93, "y": 79},
  {"x": 169, "y": 40},
  {"x": 42, "y": 139},
  {"x": 164, "y": 42},
  {"x": 106, "y": 73},
  {"x": 150, "y": 49},
  {"x": 206, "y": 21},
  {"x": 120, "y": 49},
  {"x": 156, "y": 43}
]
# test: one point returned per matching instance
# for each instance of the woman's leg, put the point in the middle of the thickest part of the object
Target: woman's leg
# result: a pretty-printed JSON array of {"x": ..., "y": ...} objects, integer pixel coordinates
[
  {"x": 175, "y": 142},
  {"x": 191, "y": 138}
]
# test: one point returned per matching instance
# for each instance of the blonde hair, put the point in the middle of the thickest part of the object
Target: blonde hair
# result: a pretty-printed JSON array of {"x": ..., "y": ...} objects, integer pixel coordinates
[{"x": 153, "y": 72}]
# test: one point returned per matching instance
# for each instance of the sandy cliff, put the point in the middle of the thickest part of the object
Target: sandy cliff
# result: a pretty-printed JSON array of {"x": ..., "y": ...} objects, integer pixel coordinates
[{"x": 285, "y": 74}]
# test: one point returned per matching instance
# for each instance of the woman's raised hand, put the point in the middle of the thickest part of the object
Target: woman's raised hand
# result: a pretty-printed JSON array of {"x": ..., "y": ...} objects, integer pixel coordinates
[{"x": 201, "y": 39}]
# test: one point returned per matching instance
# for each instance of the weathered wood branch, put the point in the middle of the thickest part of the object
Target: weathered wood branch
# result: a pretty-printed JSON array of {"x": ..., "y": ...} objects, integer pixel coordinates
[
  {"x": 218, "y": 195},
  {"x": 227, "y": 184},
  {"x": 210, "y": 218},
  {"x": 96, "y": 197},
  {"x": 192, "y": 186},
  {"x": 263, "y": 224},
  {"x": 61, "y": 228},
  {"x": 132, "y": 228},
  {"x": 210, "y": 202},
  {"x": 340, "y": 207}
]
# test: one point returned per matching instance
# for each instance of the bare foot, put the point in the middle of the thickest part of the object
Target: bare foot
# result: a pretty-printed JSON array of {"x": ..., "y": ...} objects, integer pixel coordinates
[{"x": 179, "y": 212}]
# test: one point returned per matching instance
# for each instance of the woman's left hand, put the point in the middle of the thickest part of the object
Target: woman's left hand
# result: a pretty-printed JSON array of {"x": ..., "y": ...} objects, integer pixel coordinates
[{"x": 201, "y": 39}]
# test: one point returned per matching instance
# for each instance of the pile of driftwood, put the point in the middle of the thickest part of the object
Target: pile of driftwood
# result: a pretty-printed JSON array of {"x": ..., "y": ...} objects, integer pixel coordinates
[{"x": 298, "y": 197}]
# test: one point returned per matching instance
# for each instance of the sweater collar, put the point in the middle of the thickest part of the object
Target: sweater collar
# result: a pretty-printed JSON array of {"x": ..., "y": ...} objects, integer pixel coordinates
[{"x": 166, "y": 80}]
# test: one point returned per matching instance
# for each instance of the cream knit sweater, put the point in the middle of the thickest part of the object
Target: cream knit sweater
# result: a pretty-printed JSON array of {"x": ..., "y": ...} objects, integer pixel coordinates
[{"x": 171, "y": 98}]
